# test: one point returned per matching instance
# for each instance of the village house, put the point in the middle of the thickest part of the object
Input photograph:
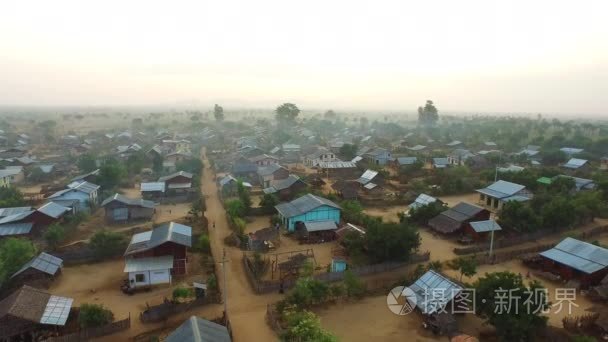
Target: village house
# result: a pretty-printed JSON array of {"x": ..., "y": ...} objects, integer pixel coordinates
[
  {"x": 454, "y": 220},
  {"x": 32, "y": 221},
  {"x": 196, "y": 329},
  {"x": 339, "y": 169},
  {"x": 28, "y": 311},
  {"x": 576, "y": 164},
  {"x": 243, "y": 168},
  {"x": 417, "y": 148},
  {"x": 263, "y": 240},
  {"x": 530, "y": 151},
  {"x": 577, "y": 260},
  {"x": 39, "y": 272},
  {"x": 152, "y": 190},
  {"x": 120, "y": 209},
  {"x": 177, "y": 157},
  {"x": 308, "y": 208},
  {"x": 83, "y": 191},
  {"x": 171, "y": 146},
  {"x": 15, "y": 173},
  {"x": 440, "y": 163},
  {"x": 422, "y": 200},
  {"x": 496, "y": 195},
  {"x": 264, "y": 160},
  {"x": 378, "y": 156},
  {"x": 348, "y": 190},
  {"x": 402, "y": 163},
  {"x": 270, "y": 173},
  {"x": 319, "y": 156},
  {"x": 459, "y": 157},
  {"x": 153, "y": 257},
  {"x": 5, "y": 178},
  {"x": 454, "y": 143},
  {"x": 177, "y": 181},
  {"x": 286, "y": 188},
  {"x": 481, "y": 230},
  {"x": 370, "y": 177},
  {"x": 229, "y": 185},
  {"x": 570, "y": 151},
  {"x": 90, "y": 177}
]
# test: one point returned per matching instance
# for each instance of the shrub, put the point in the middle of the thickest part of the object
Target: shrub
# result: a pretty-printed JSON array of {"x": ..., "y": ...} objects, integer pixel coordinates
[
  {"x": 94, "y": 315},
  {"x": 204, "y": 245},
  {"x": 54, "y": 235},
  {"x": 107, "y": 244},
  {"x": 181, "y": 292},
  {"x": 353, "y": 285}
]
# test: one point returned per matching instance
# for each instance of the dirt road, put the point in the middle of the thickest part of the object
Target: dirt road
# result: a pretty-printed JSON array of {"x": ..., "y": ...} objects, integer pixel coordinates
[{"x": 246, "y": 309}]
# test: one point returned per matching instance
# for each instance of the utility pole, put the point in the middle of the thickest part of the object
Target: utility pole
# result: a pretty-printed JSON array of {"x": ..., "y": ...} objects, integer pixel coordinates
[{"x": 496, "y": 169}]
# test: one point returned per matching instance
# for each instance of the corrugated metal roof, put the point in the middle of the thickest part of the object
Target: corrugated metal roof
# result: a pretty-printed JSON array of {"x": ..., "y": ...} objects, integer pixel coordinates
[
  {"x": 406, "y": 160},
  {"x": 337, "y": 165},
  {"x": 485, "y": 226},
  {"x": 53, "y": 210},
  {"x": 199, "y": 330},
  {"x": 303, "y": 205},
  {"x": 179, "y": 185},
  {"x": 164, "y": 262},
  {"x": 16, "y": 217},
  {"x": 367, "y": 176},
  {"x": 152, "y": 186},
  {"x": 417, "y": 148},
  {"x": 83, "y": 186},
  {"x": 421, "y": 200},
  {"x": 9, "y": 229},
  {"x": 270, "y": 169},
  {"x": 501, "y": 189},
  {"x": 4, "y": 212},
  {"x": 173, "y": 175},
  {"x": 454, "y": 143},
  {"x": 92, "y": 173},
  {"x": 441, "y": 162},
  {"x": 580, "y": 255},
  {"x": 128, "y": 201},
  {"x": 174, "y": 232},
  {"x": 370, "y": 186},
  {"x": 57, "y": 310},
  {"x": 575, "y": 163},
  {"x": 315, "y": 226},
  {"x": 571, "y": 150},
  {"x": 433, "y": 292},
  {"x": 44, "y": 262}
]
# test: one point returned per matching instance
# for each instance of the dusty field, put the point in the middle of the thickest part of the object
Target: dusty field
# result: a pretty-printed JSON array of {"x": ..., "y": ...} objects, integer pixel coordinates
[
  {"x": 388, "y": 213},
  {"x": 472, "y": 198}
]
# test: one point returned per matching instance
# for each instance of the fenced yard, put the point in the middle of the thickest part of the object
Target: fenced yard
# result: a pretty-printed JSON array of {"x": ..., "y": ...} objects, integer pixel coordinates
[
  {"x": 167, "y": 309},
  {"x": 87, "y": 334}
]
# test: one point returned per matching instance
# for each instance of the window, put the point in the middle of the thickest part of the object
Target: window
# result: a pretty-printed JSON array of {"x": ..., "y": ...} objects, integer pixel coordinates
[{"x": 139, "y": 278}]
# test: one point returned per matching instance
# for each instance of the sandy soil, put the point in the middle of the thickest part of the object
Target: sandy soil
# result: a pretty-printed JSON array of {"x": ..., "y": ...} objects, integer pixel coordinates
[
  {"x": 388, "y": 213},
  {"x": 472, "y": 198}
]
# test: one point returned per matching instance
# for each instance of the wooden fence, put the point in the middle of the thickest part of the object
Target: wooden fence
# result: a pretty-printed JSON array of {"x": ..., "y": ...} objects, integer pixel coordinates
[
  {"x": 265, "y": 286},
  {"x": 516, "y": 240},
  {"x": 87, "y": 334},
  {"x": 163, "y": 311}
]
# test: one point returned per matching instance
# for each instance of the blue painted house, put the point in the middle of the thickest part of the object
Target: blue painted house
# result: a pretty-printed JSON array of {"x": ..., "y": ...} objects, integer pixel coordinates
[
  {"x": 82, "y": 191},
  {"x": 308, "y": 208}
]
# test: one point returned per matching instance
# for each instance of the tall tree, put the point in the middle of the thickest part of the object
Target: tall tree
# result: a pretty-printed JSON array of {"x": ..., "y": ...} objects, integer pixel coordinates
[
  {"x": 428, "y": 115},
  {"x": 287, "y": 112},
  {"x": 218, "y": 112}
]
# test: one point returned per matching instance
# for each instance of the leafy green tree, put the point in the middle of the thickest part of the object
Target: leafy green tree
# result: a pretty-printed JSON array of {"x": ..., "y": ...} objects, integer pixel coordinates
[
  {"x": 14, "y": 253},
  {"x": 428, "y": 115},
  {"x": 108, "y": 244},
  {"x": 466, "y": 266},
  {"x": 268, "y": 201},
  {"x": 194, "y": 166},
  {"x": 86, "y": 163},
  {"x": 135, "y": 162},
  {"x": 558, "y": 213},
  {"x": 204, "y": 244},
  {"x": 353, "y": 285},
  {"x": 235, "y": 208},
  {"x": 181, "y": 292},
  {"x": 218, "y": 112},
  {"x": 352, "y": 211},
  {"x": 54, "y": 235},
  {"x": 244, "y": 196},
  {"x": 287, "y": 112},
  {"x": 511, "y": 325},
  {"x": 553, "y": 156},
  {"x": 94, "y": 315},
  {"x": 349, "y": 151},
  {"x": 11, "y": 197},
  {"x": 518, "y": 216},
  {"x": 391, "y": 241},
  {"x": 111, "y": 173},
  {"x": 422, "y": 214},
  {"x": 305, "y": 326}
]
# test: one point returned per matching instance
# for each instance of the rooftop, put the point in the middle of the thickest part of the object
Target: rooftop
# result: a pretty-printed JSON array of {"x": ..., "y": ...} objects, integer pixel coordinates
[
  {"x": 303, "y": 205},
  {"x": 580, "y": 255}
]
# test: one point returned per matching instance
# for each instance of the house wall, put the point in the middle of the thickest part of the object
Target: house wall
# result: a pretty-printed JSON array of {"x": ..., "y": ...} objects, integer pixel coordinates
[
  {"x": 568, "y": 273},
  {"x": 150, "y": 278},
  {"x": 180, "y": 259},
  {"x": 178, "y": 180},
  {"x": 5, "y": 182},
  {"x": 323, "y": 213},
  {"x": 76, "y": 195}
]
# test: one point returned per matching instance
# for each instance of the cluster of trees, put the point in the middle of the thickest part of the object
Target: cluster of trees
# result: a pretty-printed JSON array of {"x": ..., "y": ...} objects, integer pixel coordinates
[
  {"x": 383, "y": 241},
  {"x": 94, "y": 315},
  {"x": 14, "y": 253},
  {"x": 553, "y": 208},
  {"x": 428, "y": 115},
  {"x": 56, "y": 233},
  {"x": 237, "y": 209},
  {"x": 106, "y": 244},
  {"x": 11, "y": 197}
]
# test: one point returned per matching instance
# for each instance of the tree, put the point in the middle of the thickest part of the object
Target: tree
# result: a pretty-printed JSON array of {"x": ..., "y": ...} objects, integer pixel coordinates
[
  {"x": 330, "y": 114},
  {"x": 218, "y": 112},
  {"x": 268, "y": 201},
  {"x": 14, "y": 253},
  {"x": 135, "y": 162},
  {"x": 391, "y": 241},
  {"x": 54, "y": 235},
  {"x": 111, "y": 173},
  {"x": 466, "y": 266},
  {"x": 244, "y": 196},
  {"x": 349, "y": 151},
  {"x": 107, "y": 244},
  {"x": 86, "y": 163},
  {"x": 353, "y": 285},
  {"x": 511, "y": 324},
  {"x": 553, "y": 156},
  {"x": 235, "y": 208},
  {"x": 11, "y": 197},
  {"x": 94, "y": 315},
  {"x": 305, "y": 326},
  {"x": 194, "y": 166},
  {"x": 204, "y": 245},
  {"x": 518, "y": 216},
  {"x": 428, "y": 115},
  {"x": 287, "y": 113},
  {"x": 422, "y": 214}
]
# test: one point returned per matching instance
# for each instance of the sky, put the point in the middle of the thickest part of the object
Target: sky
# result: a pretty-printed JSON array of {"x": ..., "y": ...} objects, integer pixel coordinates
[{"x": 540, "y": 56}]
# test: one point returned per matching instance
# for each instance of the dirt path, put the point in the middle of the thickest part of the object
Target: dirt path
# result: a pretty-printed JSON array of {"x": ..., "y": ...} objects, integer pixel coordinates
[{"x": 246, "y": 309}]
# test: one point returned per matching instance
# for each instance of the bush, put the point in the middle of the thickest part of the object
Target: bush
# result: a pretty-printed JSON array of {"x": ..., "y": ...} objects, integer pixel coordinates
[
  {"x": 54, "y": 235},
  {"x": 14, "y": 253},
  {"x": 240, "y": 225},
  {"x": 94, "y": 315},
  {"x": 181, "y": 292},
  {"x": 353, "y": 285},
  {"x": 108, "y": 244},
  {"x": 212, "y": 283},
  {"x": 204, "y": 245}
]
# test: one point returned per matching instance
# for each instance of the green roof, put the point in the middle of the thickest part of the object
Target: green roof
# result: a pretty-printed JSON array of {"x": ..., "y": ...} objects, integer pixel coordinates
[{"x": 545, "y": 180}]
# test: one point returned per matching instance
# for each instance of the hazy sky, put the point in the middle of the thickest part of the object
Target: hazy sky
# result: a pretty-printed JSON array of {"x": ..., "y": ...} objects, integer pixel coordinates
[{"x": 481, "y": 55}]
